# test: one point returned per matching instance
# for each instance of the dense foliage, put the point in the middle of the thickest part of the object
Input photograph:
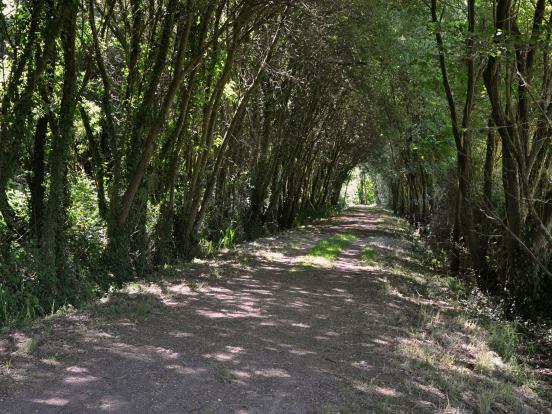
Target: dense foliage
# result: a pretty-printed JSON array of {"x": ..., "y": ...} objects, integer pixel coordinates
[
  {"x": 475, "y": 163},
  {"x": 136, "y": 133}
]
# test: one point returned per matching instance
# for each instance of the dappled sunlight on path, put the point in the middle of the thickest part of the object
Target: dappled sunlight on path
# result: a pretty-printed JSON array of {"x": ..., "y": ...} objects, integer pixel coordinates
[{"x": 268, "y": 335}]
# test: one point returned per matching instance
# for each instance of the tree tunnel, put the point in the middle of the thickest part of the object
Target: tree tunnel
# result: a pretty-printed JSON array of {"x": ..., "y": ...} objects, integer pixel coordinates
[{"x": 134, "y": 136}]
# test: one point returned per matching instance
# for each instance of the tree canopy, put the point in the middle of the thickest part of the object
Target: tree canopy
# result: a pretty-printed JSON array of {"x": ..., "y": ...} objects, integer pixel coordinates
[{"x": 135, "y": 133}]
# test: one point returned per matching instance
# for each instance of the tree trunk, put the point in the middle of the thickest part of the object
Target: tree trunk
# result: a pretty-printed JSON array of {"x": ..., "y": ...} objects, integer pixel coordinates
[{"x": 53, "y": 232}]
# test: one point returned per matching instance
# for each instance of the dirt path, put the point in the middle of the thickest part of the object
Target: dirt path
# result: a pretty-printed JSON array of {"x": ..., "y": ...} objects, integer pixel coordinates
[{"x": 266, "y": 334}]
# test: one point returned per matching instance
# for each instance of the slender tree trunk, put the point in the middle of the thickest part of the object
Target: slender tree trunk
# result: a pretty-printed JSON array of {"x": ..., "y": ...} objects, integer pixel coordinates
[
  {"x": 36, "y": 182},
  {"x": 53, "y": 232}
]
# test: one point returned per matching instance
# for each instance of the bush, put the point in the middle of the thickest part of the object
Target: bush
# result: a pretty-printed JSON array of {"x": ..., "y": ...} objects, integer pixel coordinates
[
  {"x": 27, "y": 288},
  {"x": 19, "y": 299}
]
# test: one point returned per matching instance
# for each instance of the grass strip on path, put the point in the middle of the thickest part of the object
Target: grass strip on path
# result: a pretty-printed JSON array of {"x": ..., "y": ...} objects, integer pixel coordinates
[
  {"x": 369, "y": 255},
  {"x": 330, "y": 248}
]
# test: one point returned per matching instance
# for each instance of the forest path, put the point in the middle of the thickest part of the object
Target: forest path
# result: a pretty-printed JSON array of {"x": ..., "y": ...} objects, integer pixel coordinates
[{"x": 260, "y": 332}]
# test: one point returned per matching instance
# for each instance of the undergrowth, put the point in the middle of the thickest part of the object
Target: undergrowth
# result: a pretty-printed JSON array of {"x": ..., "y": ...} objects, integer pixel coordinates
[
  {"x": 474, "y": 332},
  {"x": 306, "y": 216}
]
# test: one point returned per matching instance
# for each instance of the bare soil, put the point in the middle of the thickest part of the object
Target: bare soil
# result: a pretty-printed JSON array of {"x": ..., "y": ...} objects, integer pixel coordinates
[{"x": 257, "y": 330}]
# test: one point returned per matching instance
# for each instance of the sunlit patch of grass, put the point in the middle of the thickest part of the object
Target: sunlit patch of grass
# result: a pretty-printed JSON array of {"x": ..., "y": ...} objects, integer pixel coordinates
[
  {"x": 425, "y": 357},
  {"x": 198, "y": 261},
  {"x": 310, "y": 262},
  {"x": 369, "y": 255},
  {"x": 484, "y": 362},
  {"x": 330, "y": 248},
  {"x": 503, "y": 339}
]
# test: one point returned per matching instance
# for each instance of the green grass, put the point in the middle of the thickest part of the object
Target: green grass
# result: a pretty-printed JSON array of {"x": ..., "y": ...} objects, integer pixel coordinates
[
  {"x": 369, "y": 255},
  {"x": 484, "y": 362},
  {"x": 330, "y": 248},
  {"x": 455, "y": 285},
  {"x": 503, "y": 340},
  {"x": 485, "y": 402}
]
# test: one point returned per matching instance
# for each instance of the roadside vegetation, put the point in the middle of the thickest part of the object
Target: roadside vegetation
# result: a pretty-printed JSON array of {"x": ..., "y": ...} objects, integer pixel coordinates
[
  {"x": 456, "y": 344},
  {"x": 448, "y": 353},
  {"x": 331, "y": 247},
  {"x": 139, "y": 138}
]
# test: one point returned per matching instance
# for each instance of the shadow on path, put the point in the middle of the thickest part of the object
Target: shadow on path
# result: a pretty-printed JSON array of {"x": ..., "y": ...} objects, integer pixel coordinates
[{"x": 269, "y": 336}]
